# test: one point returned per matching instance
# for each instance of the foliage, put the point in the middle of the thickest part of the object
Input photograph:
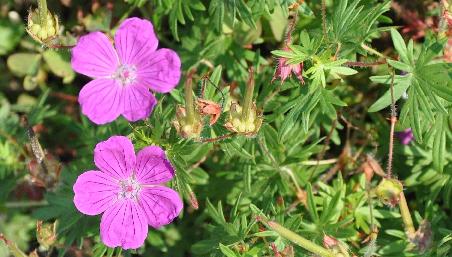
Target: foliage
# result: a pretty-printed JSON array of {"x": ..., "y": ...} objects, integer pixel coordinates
[{"x": 307, "y": 168}]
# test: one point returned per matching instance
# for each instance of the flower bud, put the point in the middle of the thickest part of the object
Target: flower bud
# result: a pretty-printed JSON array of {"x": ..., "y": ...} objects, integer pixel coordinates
[
  {"x": 42, "y": 30},
  {"x": 388, "y": 191}
]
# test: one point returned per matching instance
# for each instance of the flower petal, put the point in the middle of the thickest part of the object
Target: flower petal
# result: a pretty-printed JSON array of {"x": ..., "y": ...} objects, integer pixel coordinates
[
  {"x": 94, "y": 56},
  {"x": 134, "y": 40},
  {"x": 138, "y": 102},
  {"x": 116, "y": 157},
  {"x": 160, "y": 71},
  {"x": 124, "y": 224},
  {"x": 95, "y": 191},
  {"x": 161, "y": 205},
  {"x": 152, "y": 166},
  {"x": 101, "y": 100}
]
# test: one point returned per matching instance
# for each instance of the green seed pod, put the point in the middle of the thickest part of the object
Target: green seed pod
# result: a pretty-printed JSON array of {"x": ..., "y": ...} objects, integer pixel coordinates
[
  {"x": 388, "y": 191},
  {"x": 43, "y": 31}
]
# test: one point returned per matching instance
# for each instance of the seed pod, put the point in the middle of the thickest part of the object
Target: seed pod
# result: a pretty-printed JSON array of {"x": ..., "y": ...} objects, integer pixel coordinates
[
  {"x": 248, "y": 127},
  {"x": 388, "y": 191},
  {"x": 42, "y": 32}
]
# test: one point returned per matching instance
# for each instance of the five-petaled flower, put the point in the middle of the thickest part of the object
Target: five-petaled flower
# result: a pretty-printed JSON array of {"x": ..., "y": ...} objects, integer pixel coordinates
[
  {"x": 127, "y": 190},
  {"x": 123, "y": 76}
]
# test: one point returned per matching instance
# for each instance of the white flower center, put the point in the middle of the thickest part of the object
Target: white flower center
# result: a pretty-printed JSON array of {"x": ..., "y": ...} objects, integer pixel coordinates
[
  {"x": 126, "y": 74},
  {"x": 129, "y": 188}
]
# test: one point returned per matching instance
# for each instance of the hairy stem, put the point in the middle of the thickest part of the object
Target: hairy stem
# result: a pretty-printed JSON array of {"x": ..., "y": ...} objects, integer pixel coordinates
[
  {"x": 406, "y": 215},
  {"x": 373, "y": 51},
  {"x": 324, "y": 19},
  {"x": 299, "y": 240},
  {"x": 391, "y": 132}
]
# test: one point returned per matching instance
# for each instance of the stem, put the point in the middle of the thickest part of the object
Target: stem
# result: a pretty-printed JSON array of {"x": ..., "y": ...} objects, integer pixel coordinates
[
  {"x": 299, "y": 240},
  {"x": 320, "y": 162},
  {"x": 247, "y": 101},
  {"x": 406, "y": 216},
  {"x": 42, "y": 11},
  {"x": 373, "y": 51},
  {"x": 29, "y": 204},
  {"x": 324, "y": 19},
  {"x": 189, "y": 105},
  {"x": 391, "y": 132}
]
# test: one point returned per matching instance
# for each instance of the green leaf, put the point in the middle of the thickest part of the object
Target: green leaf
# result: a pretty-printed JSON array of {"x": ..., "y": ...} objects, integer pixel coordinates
[
  {"x": 400, "y": 86},
  {"x": 439, "y": 143},
  {"x": 22, "y": 64},
  {"x": 399, "y": 45},
  {"x": 311, "y": 204},
  {"x": 10, "y": 34},
  {"x": 399, "y": 65},
  {"x": 226, "y": 251},
  {"x": 59, "y": 64}
]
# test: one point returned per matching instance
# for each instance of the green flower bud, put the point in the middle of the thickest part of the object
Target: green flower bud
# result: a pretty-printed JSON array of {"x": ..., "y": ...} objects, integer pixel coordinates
[{"x": 388, "y": 191}]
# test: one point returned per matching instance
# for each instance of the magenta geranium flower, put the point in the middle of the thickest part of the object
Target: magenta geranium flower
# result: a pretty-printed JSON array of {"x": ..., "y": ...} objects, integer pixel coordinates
[
  {"x": 127, "y": 190},
  {"x": 123, "y": 75}
]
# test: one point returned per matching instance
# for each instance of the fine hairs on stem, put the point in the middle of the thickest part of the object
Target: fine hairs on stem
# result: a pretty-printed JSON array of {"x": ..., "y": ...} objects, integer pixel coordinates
[{"x": 393, "y": 122}]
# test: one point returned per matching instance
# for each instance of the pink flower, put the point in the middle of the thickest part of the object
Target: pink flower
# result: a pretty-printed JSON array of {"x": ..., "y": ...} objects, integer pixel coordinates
[
  {"x": 405, "y": 136},
  {"x": 123, "y": 76},
  {"x": 126, "y": 190},
  {"x": 284, "y": 70}
]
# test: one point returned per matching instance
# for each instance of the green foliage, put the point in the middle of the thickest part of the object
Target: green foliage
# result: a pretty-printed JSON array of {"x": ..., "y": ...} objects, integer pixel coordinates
[{"x": 303, "y": 169}]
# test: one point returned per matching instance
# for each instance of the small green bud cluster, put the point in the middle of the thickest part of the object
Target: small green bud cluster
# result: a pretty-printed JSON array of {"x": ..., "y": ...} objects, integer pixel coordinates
[
  {"x": 389, "y": 190},
  {"x": 39, "y": 31}
]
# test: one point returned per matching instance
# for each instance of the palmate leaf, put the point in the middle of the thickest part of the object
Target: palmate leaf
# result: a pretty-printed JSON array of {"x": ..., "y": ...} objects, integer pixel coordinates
[
  {"x": 353, "y": 22},
  {"x": 237, "y": 9},
  {"x": 181, "y": 9},
  {"x": 424, "y": 83}
]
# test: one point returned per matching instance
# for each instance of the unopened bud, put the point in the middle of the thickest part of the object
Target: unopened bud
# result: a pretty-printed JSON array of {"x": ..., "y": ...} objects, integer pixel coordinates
[{"x": 388, "y": 191}]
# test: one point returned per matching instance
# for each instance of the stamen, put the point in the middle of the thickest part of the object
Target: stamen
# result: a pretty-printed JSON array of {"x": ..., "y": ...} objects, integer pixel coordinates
[{"x": 126, "y": 74}]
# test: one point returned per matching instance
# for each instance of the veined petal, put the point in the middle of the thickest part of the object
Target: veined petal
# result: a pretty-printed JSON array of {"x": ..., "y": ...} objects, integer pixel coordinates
[
  {"x": 124, "y": 224},
  {"x": 95, "y": 191},
  {"x": 160, "y": 204},
  {"x": 134, "y": 40},
  {"x": 115, "y": 157},
  {"x": 152, "y": 166},
  {"x": 138, "y": 102},
  {"x": 101, "y": 100},
  {"x": 160, "y": 71},
  {"x": 94, "y": 56}
]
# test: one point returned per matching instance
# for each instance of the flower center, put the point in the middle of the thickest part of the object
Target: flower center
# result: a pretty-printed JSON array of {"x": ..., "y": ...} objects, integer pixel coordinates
[
  {"x": 129, "y": 188},
  {"x": 126, "y": 74}
]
